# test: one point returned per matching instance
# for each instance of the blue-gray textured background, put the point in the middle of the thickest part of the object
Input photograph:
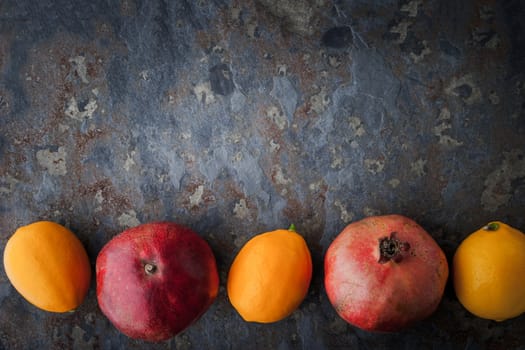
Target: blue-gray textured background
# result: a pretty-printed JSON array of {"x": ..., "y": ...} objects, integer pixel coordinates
[{"x": 238, "y": 117}]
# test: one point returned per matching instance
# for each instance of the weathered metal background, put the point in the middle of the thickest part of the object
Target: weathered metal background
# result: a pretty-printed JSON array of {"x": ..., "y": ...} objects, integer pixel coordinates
[{"x": 238, "y": 117}]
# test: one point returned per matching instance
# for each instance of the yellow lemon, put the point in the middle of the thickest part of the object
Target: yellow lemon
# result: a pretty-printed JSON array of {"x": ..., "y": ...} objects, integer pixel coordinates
[{"x": 489, "y": 271}]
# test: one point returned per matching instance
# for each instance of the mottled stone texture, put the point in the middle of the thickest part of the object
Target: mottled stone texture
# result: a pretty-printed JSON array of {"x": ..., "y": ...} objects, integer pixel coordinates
[{"x": 238, "y": 117}]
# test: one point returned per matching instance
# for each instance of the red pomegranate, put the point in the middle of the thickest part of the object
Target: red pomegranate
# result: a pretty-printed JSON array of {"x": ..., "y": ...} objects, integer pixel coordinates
[
  {"x": 384, "y": 273},
  {"x": 155, "y": 280}
]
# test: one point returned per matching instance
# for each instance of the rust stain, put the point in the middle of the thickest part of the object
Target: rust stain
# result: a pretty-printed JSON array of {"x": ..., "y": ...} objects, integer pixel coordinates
[
  {"x": 112, "y": 199},
  {"x": 82, "y": 139}
]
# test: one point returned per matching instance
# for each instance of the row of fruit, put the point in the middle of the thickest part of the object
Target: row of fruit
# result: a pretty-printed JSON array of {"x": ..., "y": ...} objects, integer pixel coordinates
[{"x": 382, "y": 273}]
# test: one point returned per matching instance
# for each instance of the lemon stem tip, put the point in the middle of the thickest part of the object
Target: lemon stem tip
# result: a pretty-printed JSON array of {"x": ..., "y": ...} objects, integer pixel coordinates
[{"x": 493, "y": 226}]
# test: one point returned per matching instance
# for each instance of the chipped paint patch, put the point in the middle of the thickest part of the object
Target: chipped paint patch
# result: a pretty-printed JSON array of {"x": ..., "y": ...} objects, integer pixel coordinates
[
  {"x": 204, "y": 93},
  {"x": 374, "y": 166},
  {"x": 486, "y": 38},
  {"x": 252, "y": 28},
  {"x": 444, "y": 114},
  {"x": 357, "y": 126},
  {"x": 274, "y": 146},
  {"x": 241, "y": 210},
  {"x": 63, "y": 128},
  {"x": 99, "y": 199},
  {"x": 418, "y": 167},
  {"x": 486, "y": 12},
  {"x": 472, "y": 92},
  {"x": 345, "y": 215},
  {"x": 235, "y": 15},
  {"x": 234, "y": 138},
  {"x": 73, "y": 111},
  {"x": 185, "y": 135},
  {"x": 337, "y": 159},
  {"x": 279, "y": 177},
  {"x": 394, "y": 183},
  {"x": 316, "y": 186},
  {"x": 53, "y": 162},
  {"x": 79, "y": 64},
  {"x": 188, "y": 156},
  {"x": 498, "y": 184},
  {"x": 237, "y": 157},
  {"x": 334, "y": 62},
  {"x": 368, "y": 211},
  {"x": 130, "y": 162},
  {"x": 402, "y": 30},
  {"x": 5, "y": 101},
  {"x": 320, "y": 101},
  {"x": 145, "y": 75},
  {"x": 128, "y": 219},
  {"x": 196, "y": 197},
  {"x": 7, "y": 184},
  {"x": 277, "y": 116},
  {"x": 494, "y": 98},
  {"x": 412, "y": 8},
  {"x": 494, "y": 42},
  {"x": 424, "y": 52},
  {"x": 444, "y": 125},
  {"x": 282, "y": 70}
]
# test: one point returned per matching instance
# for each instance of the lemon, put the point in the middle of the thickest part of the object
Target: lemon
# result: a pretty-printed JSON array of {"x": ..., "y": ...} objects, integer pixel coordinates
[
  {"x": 48, "y": 265},
  {"x": 489, "y": 270},
  {"x": 270, "y": 276}
]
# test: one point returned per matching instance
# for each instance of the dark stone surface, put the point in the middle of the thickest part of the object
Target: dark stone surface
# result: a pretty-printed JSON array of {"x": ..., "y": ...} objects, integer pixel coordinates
[
  {"x": 234, "y": 118},
  {"x": 221, "y": 79},
  {"x": 337, "y": 37}
]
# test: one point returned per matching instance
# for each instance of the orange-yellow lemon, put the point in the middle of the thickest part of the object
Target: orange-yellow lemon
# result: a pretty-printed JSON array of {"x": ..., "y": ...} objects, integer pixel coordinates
[
  {"x": 48, "y": 266},
  {"x": 270, "y": 276}
]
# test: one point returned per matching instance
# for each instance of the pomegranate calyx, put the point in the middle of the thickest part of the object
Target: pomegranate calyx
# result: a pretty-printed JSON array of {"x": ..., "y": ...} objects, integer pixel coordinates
[
  {"x": 150, "y": 268},
  {"x": 391, "y": 248}
]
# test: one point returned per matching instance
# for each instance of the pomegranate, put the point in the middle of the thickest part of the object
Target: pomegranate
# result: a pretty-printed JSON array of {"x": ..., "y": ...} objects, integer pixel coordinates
[
  {"x": 383, "y": 273},
  {"x": 156, "y": 279}
]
